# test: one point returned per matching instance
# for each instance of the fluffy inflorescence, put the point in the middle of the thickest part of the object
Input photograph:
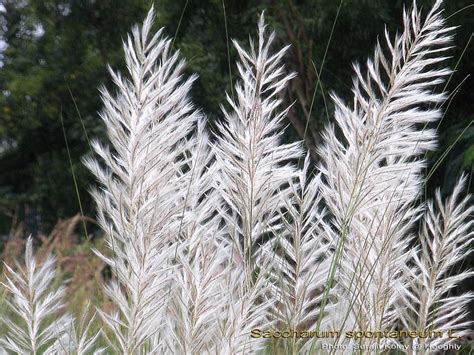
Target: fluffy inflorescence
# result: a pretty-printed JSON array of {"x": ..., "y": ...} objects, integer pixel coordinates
[
  {"x": 210, "y": 238},
  {"x": 373, "y": 169},
  {"x": 38, "y": 322}
]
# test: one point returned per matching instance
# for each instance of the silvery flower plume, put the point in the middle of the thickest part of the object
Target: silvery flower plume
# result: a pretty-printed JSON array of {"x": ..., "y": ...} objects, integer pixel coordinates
[
  {"x": 196, "y": 297},
  {"x": 36, "y": 307},
  {"x": 77, "y": 338},
  {"x": 80, "y": 339},
  {"x": 198, "y": 218},
  {"x": 207, "y": 285},
  {"x": 254, "y": 164},
  {"x": 141, "y": 200},
  {"x": 246, "y": 308},
  {"x": 302, "y": 262},
  {"x": 446, "y": 237},
  {"x": 254, "y": 171},
  {"x": 373, "y": 168},
  {"x": 212, "y": 311}
]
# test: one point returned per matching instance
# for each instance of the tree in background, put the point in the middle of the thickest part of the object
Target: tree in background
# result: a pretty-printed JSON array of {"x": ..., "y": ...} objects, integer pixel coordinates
[{"x": 54, "y": 58}]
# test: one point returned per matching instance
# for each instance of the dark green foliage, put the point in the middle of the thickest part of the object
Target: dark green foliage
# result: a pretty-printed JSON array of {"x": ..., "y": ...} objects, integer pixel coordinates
[{"x": 57, "y": 51}]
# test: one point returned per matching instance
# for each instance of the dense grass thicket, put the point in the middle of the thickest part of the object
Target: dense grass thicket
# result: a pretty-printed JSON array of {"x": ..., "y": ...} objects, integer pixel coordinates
[{"x": 216, "y": 242}]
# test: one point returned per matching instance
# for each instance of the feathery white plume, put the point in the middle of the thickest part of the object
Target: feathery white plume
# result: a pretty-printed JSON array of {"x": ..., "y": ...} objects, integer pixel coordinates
[
  {"x": 33, "y": 304},
  {"x": 254, "y": 164},
  {"x": 196, "y": 297},
  {"x": 373, "y": 176},
  {"x": 246, "y": 309},
  {"x": 446, "y": 236},
  {"x": 141, "y": 199},
  {"x": 302, "y": 262},
  {"x": 80, "y": 339},
  {"x": 254, "y": 172}
]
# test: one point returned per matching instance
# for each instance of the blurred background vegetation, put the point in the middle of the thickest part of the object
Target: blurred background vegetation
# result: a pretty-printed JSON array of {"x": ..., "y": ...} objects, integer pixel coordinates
[{"x": 54, "y": 56}]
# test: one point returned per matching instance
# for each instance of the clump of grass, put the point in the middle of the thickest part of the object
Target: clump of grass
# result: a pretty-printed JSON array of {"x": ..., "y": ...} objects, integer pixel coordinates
[{"x": 208, "y": 238}]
